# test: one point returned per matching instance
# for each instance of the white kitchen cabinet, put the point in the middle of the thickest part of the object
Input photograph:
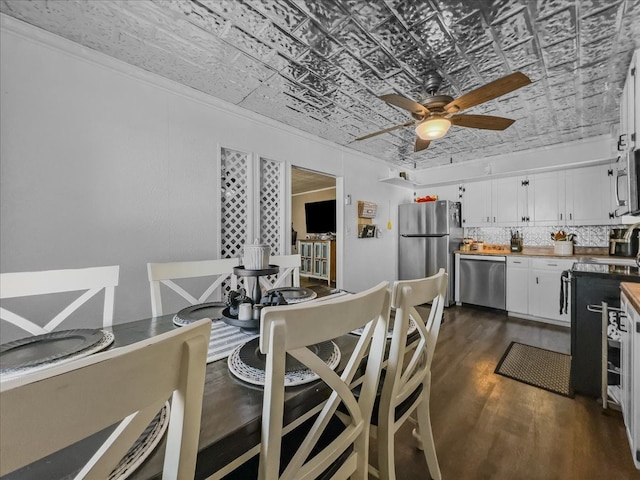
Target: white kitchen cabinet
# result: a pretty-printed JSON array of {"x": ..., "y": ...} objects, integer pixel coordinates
[
  {"x": 629, "y": 109},
  {"x": 533, "y": 288},
  {"x": 476, "y": 204},
  {"x": 635, "y": 101},
  {"x": 588, "y": 196},
  {"x": 547, "y": 195},
  {"x": 545, "y": 282},
  {"x": 630, "y": 377},
  {"x": 518, "y": 284},
  {"x": 510, "y": 198}
]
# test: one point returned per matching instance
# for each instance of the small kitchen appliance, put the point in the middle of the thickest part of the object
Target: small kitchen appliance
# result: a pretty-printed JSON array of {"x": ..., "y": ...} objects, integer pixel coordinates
[
  {"x": 623, "y": 242},
  {"x": 516, "y": 242}
]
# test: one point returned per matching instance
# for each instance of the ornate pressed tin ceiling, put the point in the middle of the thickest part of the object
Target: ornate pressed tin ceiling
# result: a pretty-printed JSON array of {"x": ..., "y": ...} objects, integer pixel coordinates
[{"x": 319, "y": 65}]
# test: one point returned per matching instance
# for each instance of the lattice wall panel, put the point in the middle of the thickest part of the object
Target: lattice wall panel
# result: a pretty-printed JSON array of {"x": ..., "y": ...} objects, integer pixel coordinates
[
  {"x": 234, "y": 203},
  {"x": 271, "y": 204}
]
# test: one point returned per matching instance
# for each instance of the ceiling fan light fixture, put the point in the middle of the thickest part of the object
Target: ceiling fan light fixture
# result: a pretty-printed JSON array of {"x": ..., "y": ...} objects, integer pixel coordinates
[{"x": 432, "y": 128}]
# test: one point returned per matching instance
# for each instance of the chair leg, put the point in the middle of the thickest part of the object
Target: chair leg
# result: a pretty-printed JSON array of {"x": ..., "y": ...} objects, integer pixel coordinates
[
  {"x": 386, "y": 450},
  {"x": 424, "y": 430}
]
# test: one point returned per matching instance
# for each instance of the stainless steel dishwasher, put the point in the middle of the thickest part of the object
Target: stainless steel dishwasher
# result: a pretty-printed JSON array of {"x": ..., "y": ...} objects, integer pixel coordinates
[{"x": 482, "y": 280}]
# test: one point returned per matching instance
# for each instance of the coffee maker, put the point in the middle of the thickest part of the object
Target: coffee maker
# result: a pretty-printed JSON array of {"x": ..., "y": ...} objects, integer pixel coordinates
[{"x": 623, "y": 242}]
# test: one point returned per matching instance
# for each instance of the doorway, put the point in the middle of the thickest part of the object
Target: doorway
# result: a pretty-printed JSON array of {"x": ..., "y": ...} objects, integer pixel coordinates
[{"x": 313, "y": 217}]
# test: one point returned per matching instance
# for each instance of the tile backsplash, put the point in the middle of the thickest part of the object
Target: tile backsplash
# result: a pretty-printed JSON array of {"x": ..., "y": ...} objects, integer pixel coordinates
[{"x": 589, "y": 236}]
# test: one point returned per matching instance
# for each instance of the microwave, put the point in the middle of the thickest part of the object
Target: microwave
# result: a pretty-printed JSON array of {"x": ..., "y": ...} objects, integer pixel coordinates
[{"x": 628, "y": 184}]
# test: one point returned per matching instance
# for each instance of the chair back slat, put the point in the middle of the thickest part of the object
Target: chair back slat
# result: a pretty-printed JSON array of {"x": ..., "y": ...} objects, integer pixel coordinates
[
  {"x": 92, "y": 280},
  {"x": 166, "y": 273},
  {"x": 288, "y": 274}
]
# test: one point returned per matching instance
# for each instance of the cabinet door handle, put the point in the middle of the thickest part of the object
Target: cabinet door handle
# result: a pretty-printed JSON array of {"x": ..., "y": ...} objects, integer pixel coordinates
[
  {"x": 560, "y": 216},
  {"x": 571, "y": 216},
  {"x": 552, "y": 264},
  {"x": 536, "y": 279},
  {"x": 494, "y": 219},
  {"x": 487, "y": 219}
]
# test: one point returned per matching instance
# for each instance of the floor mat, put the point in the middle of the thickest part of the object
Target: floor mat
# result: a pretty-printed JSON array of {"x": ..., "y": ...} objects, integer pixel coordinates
[{"x": 538, "y": 367}]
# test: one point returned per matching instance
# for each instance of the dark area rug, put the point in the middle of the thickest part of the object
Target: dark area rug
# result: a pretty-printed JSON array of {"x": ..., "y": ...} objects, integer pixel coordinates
[{"x": 538, "y": 367}]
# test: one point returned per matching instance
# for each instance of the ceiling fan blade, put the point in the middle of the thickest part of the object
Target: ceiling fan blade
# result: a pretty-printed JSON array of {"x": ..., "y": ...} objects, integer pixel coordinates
[
  {"x": 405, "y": 103},
  {"x": 486, "y": 122},
  {"x": 390, "y": 129},
  {"x": 487, "y": 92},
  {"x": 421, "y": 144}
]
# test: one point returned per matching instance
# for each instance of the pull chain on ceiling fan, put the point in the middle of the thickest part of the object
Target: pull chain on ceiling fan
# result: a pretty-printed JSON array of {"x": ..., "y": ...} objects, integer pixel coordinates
[{"x": 437, "y": 113}]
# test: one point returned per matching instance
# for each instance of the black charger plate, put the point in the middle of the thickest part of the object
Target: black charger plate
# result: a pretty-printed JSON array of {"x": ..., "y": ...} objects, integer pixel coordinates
[
  {"x": 212, "y": 310},
  {"x": 250, "y": 354},
  {"x": 39, "y": 349}
]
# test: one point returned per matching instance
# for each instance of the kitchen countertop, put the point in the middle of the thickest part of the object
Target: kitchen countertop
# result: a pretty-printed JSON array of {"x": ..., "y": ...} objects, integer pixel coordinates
[
  {"x": 620, "y": 272},
  {"x": 579, "y": 252},
  {"x": 632, "y": 292}
]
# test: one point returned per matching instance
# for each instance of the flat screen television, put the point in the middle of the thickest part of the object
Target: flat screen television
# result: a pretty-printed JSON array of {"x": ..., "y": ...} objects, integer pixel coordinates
[{"x": 320, "y": 216}]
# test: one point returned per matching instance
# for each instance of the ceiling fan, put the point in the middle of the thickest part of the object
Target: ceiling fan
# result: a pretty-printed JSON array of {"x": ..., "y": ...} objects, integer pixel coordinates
[{"x": 436, "y": 113}]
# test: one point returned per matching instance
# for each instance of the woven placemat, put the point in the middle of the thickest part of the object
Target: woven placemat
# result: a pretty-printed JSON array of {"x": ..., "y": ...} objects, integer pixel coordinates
[
  {"x": 144, "y": 445},
  {"x": 538, "y": 367},
  {"x": 256, "y": 376}
]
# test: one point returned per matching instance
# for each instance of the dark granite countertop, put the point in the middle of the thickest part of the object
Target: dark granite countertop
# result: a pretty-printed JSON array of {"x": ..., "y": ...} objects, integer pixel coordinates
[{"x": 599, "y": 269}]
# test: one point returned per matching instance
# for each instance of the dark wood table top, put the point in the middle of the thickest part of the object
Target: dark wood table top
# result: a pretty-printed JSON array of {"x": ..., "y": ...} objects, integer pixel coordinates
[{"x": 231, "y": 412}]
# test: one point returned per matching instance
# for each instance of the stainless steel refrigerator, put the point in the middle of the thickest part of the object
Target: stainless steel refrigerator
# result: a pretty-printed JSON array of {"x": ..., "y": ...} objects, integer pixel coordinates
[{"x": 429, "y": 233}]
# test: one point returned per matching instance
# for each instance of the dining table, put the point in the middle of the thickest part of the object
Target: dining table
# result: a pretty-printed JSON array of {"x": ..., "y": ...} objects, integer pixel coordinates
[{"x": 231, "y": 413}]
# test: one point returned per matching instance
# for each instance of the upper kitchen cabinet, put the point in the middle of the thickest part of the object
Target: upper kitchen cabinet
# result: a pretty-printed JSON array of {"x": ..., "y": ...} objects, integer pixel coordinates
[
  {"x": 510, "y": 201},
  {"x": 630, "y": 109},
  {"x": 476, "y": 204},
  {"x": 547, "y": 195},
  {"x": 575, "y": 197},
  {"x": 581, "y": 196},
  {"x": 588, "y": 196}
]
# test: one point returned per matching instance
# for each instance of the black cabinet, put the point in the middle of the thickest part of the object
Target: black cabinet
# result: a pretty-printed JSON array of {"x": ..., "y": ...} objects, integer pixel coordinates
[{"x": 592, "y": 284}]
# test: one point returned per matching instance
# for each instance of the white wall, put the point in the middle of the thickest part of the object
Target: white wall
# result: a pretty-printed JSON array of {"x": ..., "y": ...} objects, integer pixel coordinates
[{"x": 102, "y": 163}]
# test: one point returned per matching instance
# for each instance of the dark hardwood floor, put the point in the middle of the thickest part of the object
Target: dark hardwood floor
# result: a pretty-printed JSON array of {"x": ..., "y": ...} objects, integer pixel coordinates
[{"x": 487, "y": 426}]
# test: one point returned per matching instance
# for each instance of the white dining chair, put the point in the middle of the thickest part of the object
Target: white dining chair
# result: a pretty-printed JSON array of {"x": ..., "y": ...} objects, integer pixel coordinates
[
  {"x": 46, "y": 411},
  {"x": 167, "y": 273},
  {"x": 407, "y": 377},
  {"x": 342, "y": 452},
  {"x": 288, "y": 272},
  {"x": 90, "y": 280}
]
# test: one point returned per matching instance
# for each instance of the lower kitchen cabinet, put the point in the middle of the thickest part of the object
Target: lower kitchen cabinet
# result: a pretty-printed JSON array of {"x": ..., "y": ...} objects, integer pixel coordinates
[
  {"x": 535, "y": 289},
  {"x": 630, "y": 376},
  {"x": 518, "y": 285}
]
